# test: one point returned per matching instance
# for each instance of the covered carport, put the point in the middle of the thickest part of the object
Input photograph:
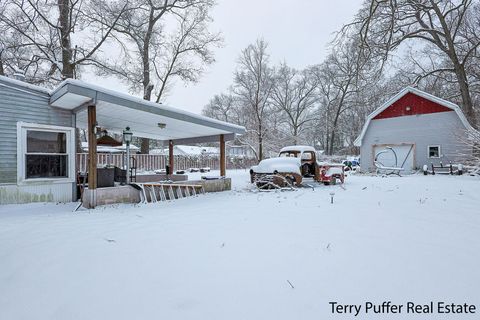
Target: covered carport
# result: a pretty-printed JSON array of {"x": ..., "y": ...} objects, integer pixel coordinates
[{"x": 94, "y": 106}]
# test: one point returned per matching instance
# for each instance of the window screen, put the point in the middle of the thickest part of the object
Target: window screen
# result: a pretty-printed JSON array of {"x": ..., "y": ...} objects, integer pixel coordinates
[
  {"x": 46, "y": 155},
  {"x": 434, "y": 151}
]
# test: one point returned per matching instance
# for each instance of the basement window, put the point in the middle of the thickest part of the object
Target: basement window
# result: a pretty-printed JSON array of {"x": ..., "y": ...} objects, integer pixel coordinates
[{"x": 434, "y": 151}]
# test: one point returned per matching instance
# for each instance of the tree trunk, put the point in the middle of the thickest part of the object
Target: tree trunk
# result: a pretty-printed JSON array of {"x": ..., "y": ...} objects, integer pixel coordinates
[
  {"x": 334, "y": 127},
  {"x": 147, "y": 86},
  {"x": 68, "y": 67},
  {"x": 467, "y": 102},
  {"x": 260, "y": 143},
  {"x": 2, "y": 71},
  {"x": 331, "y": 142}
]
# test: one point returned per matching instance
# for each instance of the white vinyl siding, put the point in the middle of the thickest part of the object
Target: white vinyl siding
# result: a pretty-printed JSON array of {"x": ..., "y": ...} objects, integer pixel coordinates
[
  {"x": 22, "y": 104},
  {"x": 444, "y": 128}
]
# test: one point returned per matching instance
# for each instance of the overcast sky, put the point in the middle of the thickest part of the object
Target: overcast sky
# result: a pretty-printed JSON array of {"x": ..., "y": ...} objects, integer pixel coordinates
[{"x": 298, "y": 31}]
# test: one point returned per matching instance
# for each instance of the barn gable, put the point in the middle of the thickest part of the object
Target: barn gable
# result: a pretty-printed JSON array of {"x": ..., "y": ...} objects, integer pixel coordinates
[
  {"x": 411, "y": 101},
  {"x": 411, "y": 104}
]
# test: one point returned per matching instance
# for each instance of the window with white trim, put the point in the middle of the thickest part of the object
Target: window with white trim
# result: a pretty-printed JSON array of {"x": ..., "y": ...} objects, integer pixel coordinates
[
  {"x": 45, "y": 152},
  {"x": 434, "y": 151}
]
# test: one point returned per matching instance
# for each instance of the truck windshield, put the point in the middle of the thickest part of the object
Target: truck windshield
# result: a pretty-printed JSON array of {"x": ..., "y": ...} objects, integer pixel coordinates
[{"x": 292, "y": 154}]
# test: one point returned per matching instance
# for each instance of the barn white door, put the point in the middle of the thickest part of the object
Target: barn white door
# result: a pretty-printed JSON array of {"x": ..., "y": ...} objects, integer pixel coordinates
[{"x": 401, "y": 156}]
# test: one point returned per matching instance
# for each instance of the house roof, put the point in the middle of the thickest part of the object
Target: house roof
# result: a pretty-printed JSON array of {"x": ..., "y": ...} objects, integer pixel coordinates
[
  {"x": 23, "y": 86},
  {"x": 188, "y": 150},
  {"x": 106, "y": 149},
  {"x": 116, "y": 110},
  {"x": 398, "y": 96}
]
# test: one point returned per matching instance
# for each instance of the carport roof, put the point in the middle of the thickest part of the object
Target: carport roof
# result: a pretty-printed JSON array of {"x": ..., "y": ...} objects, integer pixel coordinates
[{"x": 116, "y": 110}]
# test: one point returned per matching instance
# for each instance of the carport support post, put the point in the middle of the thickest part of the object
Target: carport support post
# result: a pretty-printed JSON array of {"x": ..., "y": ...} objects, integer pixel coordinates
[
  {"x": 222, "y": 156},
  {"x": 92, "y": 156},
  {"x": 170, "y": 156}
]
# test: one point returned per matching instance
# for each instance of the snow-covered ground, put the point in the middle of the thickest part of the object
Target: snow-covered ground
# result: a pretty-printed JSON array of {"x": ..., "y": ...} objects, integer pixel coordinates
[{"x": 245, "y": 255}]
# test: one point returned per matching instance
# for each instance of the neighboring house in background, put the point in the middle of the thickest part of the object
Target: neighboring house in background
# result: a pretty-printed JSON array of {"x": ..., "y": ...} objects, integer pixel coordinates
[
  {"x": 192, "y": 151},
  {"x": 240, "y": 152},
  {"x": 420, "y": 128},
  {"x": 196, "y": 151},
  {"x": 105, "y": 149}
]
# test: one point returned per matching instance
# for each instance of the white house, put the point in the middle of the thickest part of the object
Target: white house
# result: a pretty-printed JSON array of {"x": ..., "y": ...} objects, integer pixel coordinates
[
  {"x": 106, "y": 149},
  {"x": 240, "y": 152},
  {"x": 420, "y": 128},
  {"x": 192, "y": 151}
]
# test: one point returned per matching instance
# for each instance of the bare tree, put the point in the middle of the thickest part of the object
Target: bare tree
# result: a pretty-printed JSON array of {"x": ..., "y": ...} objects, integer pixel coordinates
[
  {"x": 163, "y": 54},
  {"x": 187, "y": 51},
  {"x": 338, "y": 80},
  {"x": 294, "y": 95},
  {"x": 222, "y": 107},
  {"x": 253, "y": 85},
  {"x": 445, "y": 25},
  {"x": 472, "y": 144},
  {"x": 47, "y": 28}
]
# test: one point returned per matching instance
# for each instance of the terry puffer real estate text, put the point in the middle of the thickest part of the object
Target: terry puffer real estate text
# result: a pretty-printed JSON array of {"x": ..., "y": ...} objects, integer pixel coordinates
[{"x": 388, "y": 307}]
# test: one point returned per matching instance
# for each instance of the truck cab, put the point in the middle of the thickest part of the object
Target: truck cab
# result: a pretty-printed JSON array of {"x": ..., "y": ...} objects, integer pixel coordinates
[{"x": 307, "y": 156}]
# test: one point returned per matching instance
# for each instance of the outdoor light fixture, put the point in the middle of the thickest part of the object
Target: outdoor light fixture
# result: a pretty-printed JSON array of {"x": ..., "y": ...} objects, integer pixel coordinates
[
  {"x": 98, "y": 132},
  {"x": 161, "y": 125},
  {"x": 408, "y": 108},
  {"x": 127, "y": 138},
  {"x": 127, "y": 135}
]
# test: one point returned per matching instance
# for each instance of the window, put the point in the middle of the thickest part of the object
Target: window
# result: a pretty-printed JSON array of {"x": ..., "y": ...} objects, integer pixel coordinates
[
  {"x": 45, "y": 153},
  {"x": 291, "y": 154},
  {"x": 434, "y": 151},
  {"x": 307, "y": 156}
]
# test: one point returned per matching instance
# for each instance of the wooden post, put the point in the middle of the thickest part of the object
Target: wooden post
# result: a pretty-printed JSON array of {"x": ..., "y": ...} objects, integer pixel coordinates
[
  {"x": 222, "y": 156},
  {"x": 92, "y": 156},
  {"x": 170, "y": 156},
  {"x": 92, "y": 148}
]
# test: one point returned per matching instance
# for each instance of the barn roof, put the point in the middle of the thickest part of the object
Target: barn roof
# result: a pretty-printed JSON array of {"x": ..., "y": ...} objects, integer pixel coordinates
[{"x": 420, "y": 93}]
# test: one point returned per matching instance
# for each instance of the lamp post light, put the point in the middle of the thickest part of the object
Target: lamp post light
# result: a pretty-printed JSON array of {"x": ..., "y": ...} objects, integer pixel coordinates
[
  {"x": 127, "y": 138},
  {"x": 331, "y": 196}
]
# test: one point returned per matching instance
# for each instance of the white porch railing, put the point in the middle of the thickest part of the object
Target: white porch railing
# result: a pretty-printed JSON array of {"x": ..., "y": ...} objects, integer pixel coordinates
[{"x": 151, "y": 162}]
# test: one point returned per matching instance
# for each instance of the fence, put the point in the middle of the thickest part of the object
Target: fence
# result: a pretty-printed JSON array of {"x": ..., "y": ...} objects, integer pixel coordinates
[{"x": 151, "y": 162}]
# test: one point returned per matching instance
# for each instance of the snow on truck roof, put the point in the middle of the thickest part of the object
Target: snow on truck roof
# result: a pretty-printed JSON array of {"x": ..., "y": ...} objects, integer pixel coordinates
[{"x": 298, "y": 148}]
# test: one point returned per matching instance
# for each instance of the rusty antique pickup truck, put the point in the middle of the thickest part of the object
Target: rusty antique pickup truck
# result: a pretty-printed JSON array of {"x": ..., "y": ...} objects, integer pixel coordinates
[{"x": 293, "y": 164}]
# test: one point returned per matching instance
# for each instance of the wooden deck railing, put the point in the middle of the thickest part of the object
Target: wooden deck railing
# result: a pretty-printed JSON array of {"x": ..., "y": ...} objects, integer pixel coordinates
[{"x": 151, "y": 162}]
